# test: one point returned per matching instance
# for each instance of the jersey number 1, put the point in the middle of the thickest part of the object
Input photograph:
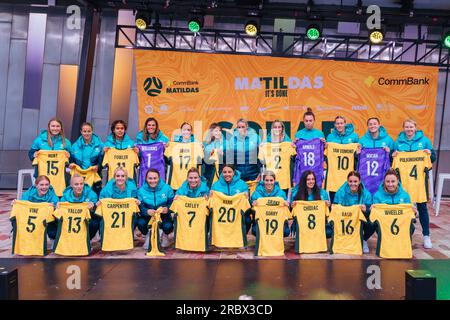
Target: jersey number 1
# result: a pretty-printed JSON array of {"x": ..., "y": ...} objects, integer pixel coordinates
[{"x": 413, "y": 173}]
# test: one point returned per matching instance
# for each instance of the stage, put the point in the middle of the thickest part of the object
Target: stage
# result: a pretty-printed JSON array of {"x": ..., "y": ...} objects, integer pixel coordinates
[{"x": 225, "y": 274}]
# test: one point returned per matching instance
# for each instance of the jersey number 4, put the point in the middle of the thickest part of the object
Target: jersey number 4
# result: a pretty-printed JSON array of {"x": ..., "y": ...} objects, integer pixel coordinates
[{"x": 413, "y": 173}]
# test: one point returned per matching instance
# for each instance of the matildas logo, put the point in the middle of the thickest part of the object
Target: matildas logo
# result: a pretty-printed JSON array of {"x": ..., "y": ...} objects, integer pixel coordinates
[{"x": 153, "y": 86}]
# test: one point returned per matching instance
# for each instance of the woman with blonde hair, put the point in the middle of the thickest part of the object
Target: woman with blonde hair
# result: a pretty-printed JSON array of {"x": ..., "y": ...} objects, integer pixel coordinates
[
  {"x": 52, "y": 138},
  {"x": 410, "y": 140}
]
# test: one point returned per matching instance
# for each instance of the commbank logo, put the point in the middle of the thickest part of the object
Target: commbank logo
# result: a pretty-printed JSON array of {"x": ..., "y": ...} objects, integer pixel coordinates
[
  {"x": 369, "y": 81},
  {"x": 408, "y": 81},
  {"x": 153, "y": 86}
]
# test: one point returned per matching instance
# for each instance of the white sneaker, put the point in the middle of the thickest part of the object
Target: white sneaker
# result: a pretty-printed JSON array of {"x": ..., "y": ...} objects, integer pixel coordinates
[
  {"x": 427, "y": 242},
  {"x": 147, "y": 240},
  {"x": 365, "y": 247},
  {"x": 165, "y": 241}
]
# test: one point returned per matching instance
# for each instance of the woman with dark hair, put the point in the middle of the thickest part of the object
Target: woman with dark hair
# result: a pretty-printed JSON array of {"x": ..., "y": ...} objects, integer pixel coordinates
[
  {"x": 376, "y": 136},
  {"x": 183, "y": 153},
  {"x": 230, "y": 182},
  {"x": 118, "y": 138},
  {"x": 391, "y": 190},
  {"x": 186, "y": 135},
  {"x": 151, "y": 133},
  {"x": 353, "y": 192},
  {"x": 51, "y": 139},
  {"x": 269, "y": 187},
  {"x": 195, "y": 185},
  {"x": 277, "y": 155},
  {"x": 308, "y": 190},
  {"x": 309, "y": 132},
  {"x": 155, "y": 194}
]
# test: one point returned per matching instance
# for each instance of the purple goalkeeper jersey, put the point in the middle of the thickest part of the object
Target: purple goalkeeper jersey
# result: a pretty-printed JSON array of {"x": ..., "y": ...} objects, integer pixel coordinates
[
  {"x": 309, "y": 157},
  {"x": 373, "y": 164},
  {"x": 151, "y": 157}
]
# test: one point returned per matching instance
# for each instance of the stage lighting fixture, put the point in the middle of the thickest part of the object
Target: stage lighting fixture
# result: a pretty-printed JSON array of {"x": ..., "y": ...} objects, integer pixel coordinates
[
  {"x": 252, "y": 28},
  {"x": 195, "y": 23},
  {"x": 142, "y": 20},
  {"x": 313, "y": 32},
  {"x": 446, "y": 40},
  {"x": 376, "y": 36}
]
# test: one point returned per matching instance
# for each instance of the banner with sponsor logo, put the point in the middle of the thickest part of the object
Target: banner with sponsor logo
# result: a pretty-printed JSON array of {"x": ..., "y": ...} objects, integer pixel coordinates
[{"x": 202, "y": 88}]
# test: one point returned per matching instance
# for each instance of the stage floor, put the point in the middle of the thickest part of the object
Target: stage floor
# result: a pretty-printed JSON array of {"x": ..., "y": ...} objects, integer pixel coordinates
[
  {"x": 102, "y": 279},
  {"x": 225, "y": 274},
  {"x": 439, "y": 226}
]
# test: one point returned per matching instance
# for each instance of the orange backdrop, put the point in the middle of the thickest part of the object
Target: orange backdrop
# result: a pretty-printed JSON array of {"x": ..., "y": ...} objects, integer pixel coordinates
[{"x": 202, "y": 88}]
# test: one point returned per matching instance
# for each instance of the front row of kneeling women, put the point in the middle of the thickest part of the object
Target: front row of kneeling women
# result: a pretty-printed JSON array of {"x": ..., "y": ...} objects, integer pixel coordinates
[{"x": 155, "y": 196}]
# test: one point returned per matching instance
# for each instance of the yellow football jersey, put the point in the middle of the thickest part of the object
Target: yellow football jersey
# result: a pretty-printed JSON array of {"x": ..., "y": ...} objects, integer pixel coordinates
[
  {"x": 190, "y": 223},
  {"x": 251, "y": 186},
  {"x": 90, "y": 176},
  {"x": 394, "y": 229},
  {"x": 413, "y": 167},
  {"x": 215, "y": 157},
  {"x": 228, "y": 219},
  {"x": 311, "y": 235},
  {"x": 53, "y": 165},
  {"x": 72, "y": 238},
  {"x": 340, "y": 161},
  {"x": 29, "y": 220},
  {"x": 277, "y": 158},
  {"x": 270, "y": 215},
  {"x": 182, "y": 156},
  {"x": 347, "y": 229},
  {"x": 125, "y": 158},
  {"x": 117, "y": 225},
  {"x": 154, "y": 244}
]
